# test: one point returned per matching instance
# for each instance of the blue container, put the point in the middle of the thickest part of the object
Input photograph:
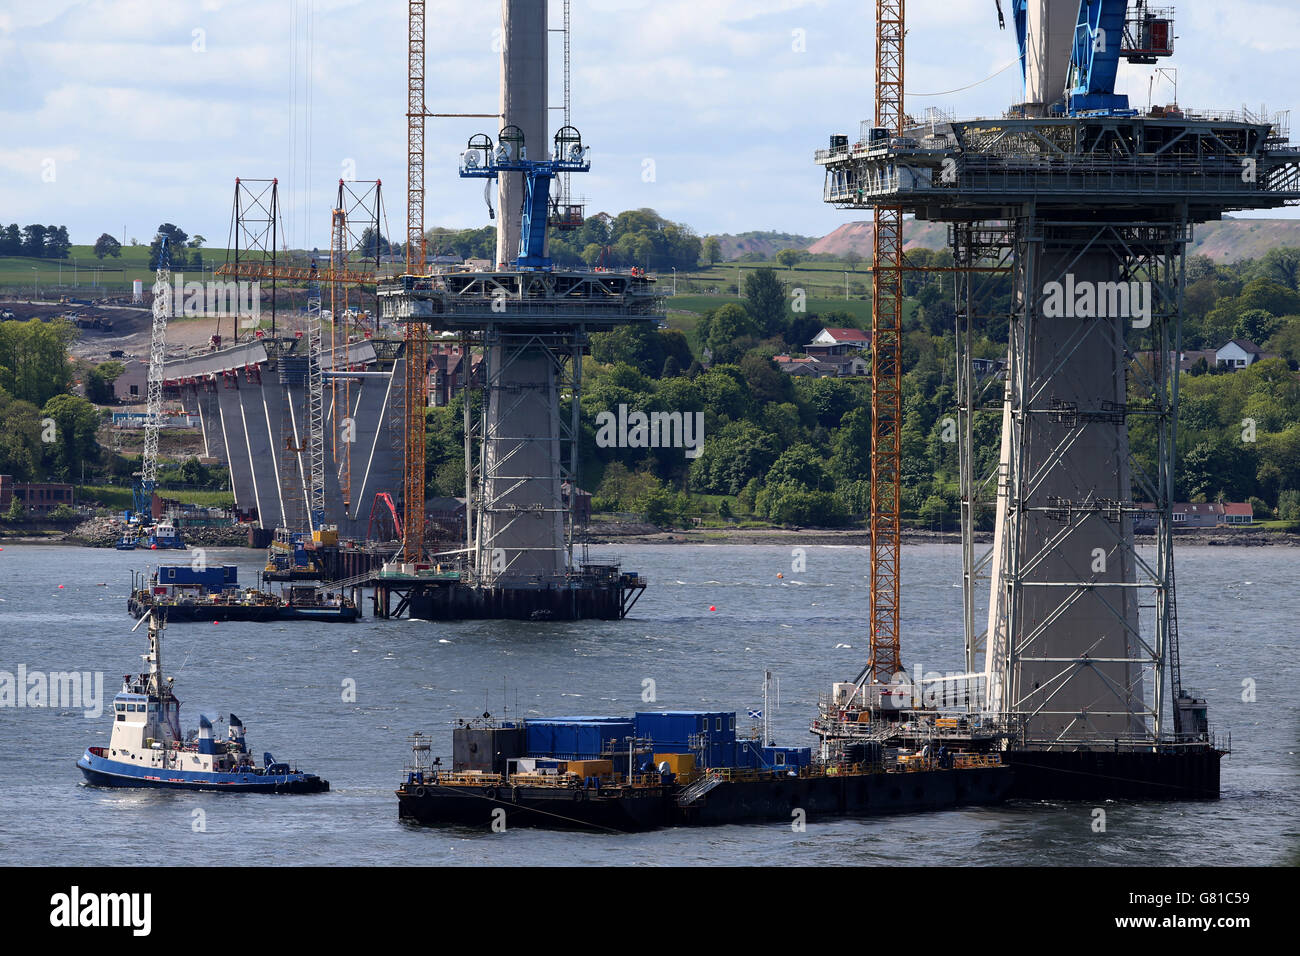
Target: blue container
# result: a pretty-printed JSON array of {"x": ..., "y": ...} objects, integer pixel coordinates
[
  {"x": 576, "y": 739},
  {"x": 212, "y": 580},
  {"x": 777, "y": 758},
  {"x": 673, "y": 730}
]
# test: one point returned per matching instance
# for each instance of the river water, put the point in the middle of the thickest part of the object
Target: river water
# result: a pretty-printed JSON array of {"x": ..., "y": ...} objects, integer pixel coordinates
[{"x": 64, "y": 609}]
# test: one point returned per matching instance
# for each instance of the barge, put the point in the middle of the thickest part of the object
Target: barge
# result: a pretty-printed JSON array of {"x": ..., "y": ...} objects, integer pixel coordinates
[
  {"x": 183, "y": 593},
  {"x": 677, "y": 768}
]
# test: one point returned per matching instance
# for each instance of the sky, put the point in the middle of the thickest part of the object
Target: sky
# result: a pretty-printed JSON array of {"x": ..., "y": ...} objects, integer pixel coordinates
[{"x": 118, "y": 115}]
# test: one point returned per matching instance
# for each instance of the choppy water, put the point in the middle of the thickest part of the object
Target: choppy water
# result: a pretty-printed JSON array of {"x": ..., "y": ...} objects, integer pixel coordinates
[{"x": 1239, "y": 609}]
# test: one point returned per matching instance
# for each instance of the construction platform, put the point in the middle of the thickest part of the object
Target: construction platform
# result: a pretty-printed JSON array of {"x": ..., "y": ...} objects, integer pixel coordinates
[
  {"x": 1199, "y": 164},
  {"x": 599, "y": 592},
  {"x": 522, "y": 301}
]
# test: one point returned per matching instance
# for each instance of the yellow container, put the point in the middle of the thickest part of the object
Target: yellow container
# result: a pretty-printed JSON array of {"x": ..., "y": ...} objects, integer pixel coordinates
[
  {"x": 680, "y": 764},
  {"x": 591, "y": 768}
]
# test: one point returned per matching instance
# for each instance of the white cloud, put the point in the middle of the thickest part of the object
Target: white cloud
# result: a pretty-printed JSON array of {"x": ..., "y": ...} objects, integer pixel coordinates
[{"x": 145, "y": 130}]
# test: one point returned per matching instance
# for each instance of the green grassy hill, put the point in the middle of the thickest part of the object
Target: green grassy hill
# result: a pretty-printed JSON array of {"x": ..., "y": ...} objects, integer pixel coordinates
[{"x": 86, "y": 274}]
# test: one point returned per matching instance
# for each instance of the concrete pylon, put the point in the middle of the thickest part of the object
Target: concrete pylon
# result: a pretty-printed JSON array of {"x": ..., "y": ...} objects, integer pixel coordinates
[
  {"x": 522, "y": 511},
  {"x": 1049, "y": 29},
  {"x": 1063, "y": 612},
  {"x": 524, "y": 104}
]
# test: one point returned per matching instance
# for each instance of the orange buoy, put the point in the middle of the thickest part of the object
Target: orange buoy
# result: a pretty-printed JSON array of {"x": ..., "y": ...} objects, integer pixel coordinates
[{"x": 780, "y": 575}]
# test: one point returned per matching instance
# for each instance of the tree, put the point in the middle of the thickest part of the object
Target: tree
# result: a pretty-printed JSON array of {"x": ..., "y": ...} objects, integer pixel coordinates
[
  {"x": 176, "y": 242},
  {"x": 1256, "y": 325},
  {"x": 1272, "y": 297},
  {"x": 34, "y": 240},
  {"x": 11, "y": 240},
  {"x": 106, "y": 245},
  {"x": 197, "y": 242},
  {"x": 57, "y": 243},
  {"x": 712, "y": 251},
  {"x": 726, "y": 331},
  {"x": 789, "y": 257},
  {"x": 34, "y": 359},
  {"x": 76, "y": 421},
  {"x": 592, "y": 253},
  {"x": 99, "y": 382},
  {"x": 765, "y": 300},
  {"x": 740, "y": 453},
  {"x": 1282, "y": 266},
  {"x": 373, "y": 244},
  {"x": 799, "y": 466},
  {"x": 852, "y": 260}
]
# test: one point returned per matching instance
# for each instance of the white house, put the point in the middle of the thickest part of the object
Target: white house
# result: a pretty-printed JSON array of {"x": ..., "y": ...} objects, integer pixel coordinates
[
  {"x": 839, "y": 342},
  {"x": 1240, "y": 353}
]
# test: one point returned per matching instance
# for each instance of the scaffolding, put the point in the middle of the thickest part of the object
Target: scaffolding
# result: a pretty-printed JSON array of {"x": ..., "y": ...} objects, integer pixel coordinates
[{"x": 1108, "y": 200}]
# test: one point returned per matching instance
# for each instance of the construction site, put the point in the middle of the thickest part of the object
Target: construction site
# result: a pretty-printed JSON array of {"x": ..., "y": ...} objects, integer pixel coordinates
[
  {"x": 1088, "y": 205},
  {"x": 324, "y": 431},
  {"x": 1084, "y": 203}
]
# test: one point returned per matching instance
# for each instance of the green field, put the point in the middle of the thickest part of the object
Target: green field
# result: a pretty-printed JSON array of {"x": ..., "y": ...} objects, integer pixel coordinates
[
  {"x": 118, "y": 498},
  {"x": 83, "y": 274}
]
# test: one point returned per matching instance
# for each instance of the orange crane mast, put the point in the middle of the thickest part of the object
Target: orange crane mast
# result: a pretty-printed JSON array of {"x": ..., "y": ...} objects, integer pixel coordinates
[
  {"x": 886, "y": 367},
  {"x": 416, "y": 335}
]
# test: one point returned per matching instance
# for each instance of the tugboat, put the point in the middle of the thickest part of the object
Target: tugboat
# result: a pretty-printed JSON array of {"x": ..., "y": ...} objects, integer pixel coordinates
[
  {"x": 164, "y": 537},
  {"x": 147, "y": 749}
]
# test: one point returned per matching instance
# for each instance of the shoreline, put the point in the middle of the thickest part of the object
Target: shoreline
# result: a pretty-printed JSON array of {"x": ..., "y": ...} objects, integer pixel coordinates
[
  {"x": 858, "y": 537},
  {"x": 794, "y": 537}
]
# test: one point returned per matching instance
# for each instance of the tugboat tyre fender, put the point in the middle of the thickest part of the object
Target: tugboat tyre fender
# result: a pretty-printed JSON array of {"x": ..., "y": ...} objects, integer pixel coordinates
[
  {"x": 490, "y": 793},
  {"x": 420, "y": 791}
]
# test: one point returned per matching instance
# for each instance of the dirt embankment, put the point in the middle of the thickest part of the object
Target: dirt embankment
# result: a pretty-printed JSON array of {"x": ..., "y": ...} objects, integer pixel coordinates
[{"x": 105, "y": 532}]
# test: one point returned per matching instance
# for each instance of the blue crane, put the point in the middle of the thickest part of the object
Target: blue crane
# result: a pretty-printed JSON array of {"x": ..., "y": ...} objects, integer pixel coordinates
[
  {"x": 1105, "y": 31},
  {"x": 483, "y": 161}
]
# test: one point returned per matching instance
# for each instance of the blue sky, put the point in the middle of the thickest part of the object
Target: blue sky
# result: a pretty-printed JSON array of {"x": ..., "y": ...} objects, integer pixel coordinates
[{"x": 121, "y": 114}]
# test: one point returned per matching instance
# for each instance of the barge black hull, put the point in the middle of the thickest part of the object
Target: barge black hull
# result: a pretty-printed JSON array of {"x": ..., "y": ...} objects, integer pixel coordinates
[
  {"x": 244, "y": 612},
  {"x": 773, "y": 800},
  {"x": 460, "y": 602},
  {"x": 1191, "y": 774}
]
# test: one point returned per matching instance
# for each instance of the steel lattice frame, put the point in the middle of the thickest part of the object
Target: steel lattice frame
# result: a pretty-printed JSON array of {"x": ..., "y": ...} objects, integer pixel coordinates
[
  {"x": 315, "y": 410},
  {"x": 162, "y": 300},
  {"x": 884, "y": 660},
  {"x": 1152, "y": 252},
  {"x": 417, "y": 346}
]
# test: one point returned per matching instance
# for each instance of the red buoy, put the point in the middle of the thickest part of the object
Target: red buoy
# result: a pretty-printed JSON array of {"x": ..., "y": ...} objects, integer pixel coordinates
[{"x": 711, "y": 607}]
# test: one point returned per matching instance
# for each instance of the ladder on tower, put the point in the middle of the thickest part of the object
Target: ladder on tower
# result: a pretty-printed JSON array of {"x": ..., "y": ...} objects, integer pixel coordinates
[{"x": 1175, "y": 663}]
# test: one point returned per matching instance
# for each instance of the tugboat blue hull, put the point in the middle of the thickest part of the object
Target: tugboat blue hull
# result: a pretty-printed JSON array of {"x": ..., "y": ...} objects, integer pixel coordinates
[{"x": 102, "y": 772}]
